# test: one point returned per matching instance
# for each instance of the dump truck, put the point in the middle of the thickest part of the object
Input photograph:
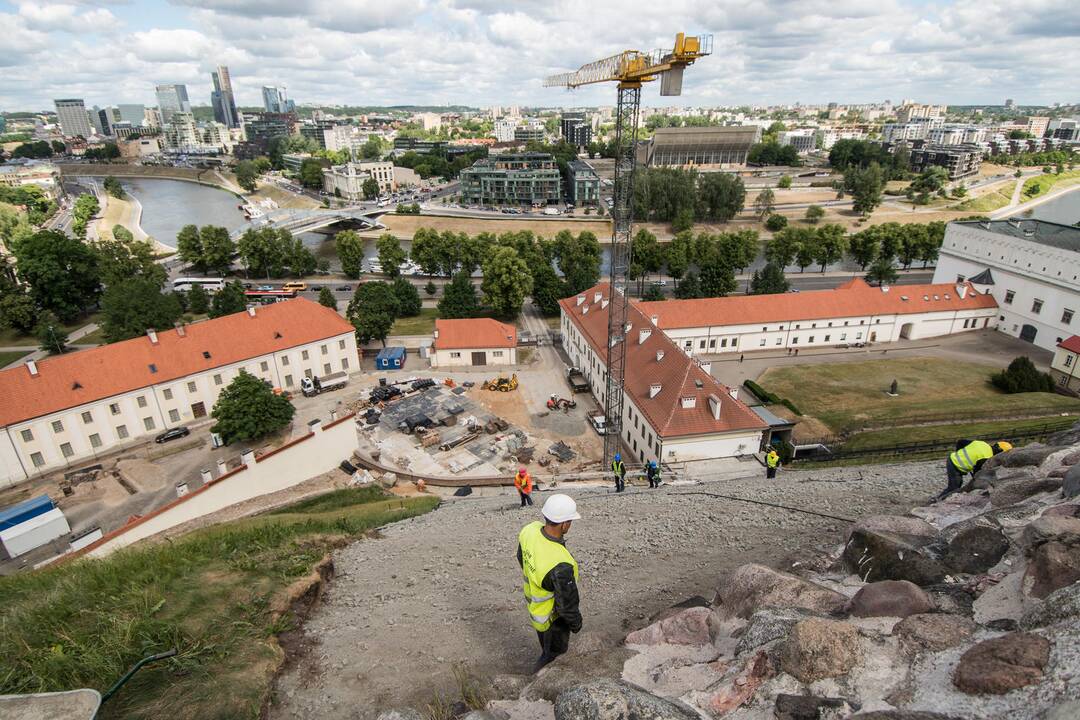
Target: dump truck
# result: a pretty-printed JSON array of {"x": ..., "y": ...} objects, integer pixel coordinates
[
  {"x": 577, "y": 380},
  {"x": 314, "y": 385}
]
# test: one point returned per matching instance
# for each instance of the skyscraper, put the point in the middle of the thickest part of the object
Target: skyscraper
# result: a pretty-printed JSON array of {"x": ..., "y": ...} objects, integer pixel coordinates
[
  {"x": 71, "y": 114},
  {"x": 222, "y": 98},
  {"x": 275, "y": 100},
  {"x": 172, "y": 99},
  {"x": 132, "y": 113}
]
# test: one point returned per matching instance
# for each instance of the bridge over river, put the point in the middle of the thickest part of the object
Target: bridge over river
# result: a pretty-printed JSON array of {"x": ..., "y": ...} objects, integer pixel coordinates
[{"x": 303, "y": 221}]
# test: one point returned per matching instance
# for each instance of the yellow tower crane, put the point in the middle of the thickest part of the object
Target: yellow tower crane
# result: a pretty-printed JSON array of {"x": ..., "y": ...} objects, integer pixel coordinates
[{"x": 629, "y": 69}]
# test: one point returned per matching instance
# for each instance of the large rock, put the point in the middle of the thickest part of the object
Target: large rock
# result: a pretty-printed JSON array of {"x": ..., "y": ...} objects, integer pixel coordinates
[
  {"x": 405, "y": 713},
  {"x": 902, "y": 715},
  {"x": 1064, "y": 510},
  {"x": 755, "y": 586},
  {"x": 819, "y": 648},
  {"x": 766, "y": 625},
  {"x": 607, "y": 699},
  {"x": 693, "y": 626},
  {"x": 878, "y": 555},
  {"x": 1068, "y": 710},
  {"x": 1058, "y": 606},
  {"x": 1050, "y": 526},
  {"x": 808, "y": 707},
  {"x": 1011, "y": 493},
  {"x": 987, "y": 478},
  {"x": 994, "y": 667},
  {"x": 1070, "y": 486},
  {"x": 975, "y": 548},
  {"x": 1065, "y": 437},
  {"x": 1032, "y": 454},
  {"x": 933, "y": 631},
  {"x": 736, "y": 689},
  {"x": 898, "y": 524},
  {"x": 1054, "y": 565},
  {"x": 890, "y": 598}
]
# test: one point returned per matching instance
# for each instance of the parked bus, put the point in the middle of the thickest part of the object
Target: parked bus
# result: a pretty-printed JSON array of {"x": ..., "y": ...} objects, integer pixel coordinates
[
  {"x": 294, "y": 286},
  {"x": 269, "y": 296},
  {"x": 210, "y": 285}
]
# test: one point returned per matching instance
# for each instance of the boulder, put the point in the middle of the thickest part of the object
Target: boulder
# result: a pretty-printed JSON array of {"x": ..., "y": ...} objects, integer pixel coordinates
[
  {"x": 607, "y": 699},
  {"x": 1070, "y": 486},
  {"x": 1065, "y": 437},
  {"x": 898, "y": 524},
  {"x": 879, "y": 555},
  {"x": 1013, "y": 492},
  {"x": 987, "y": 478},
  {"x": 388, "y": 480},
  {"x": 934, "y": 632},
  {"x": 1058, "y": 606},
  {"x": 1032, "y": 454},
  {"x": 1064, "y": 510},
  {"x": 819, "y": 648},
  {"x": 571, "y": 670},
  {"x": 994, "y": 667},
  {"x": 692, "y": 601},
  {"x": 808, "y": 707},
  {"x": 1050, "y": 526},
  {"x": 1054, "y": 565},
  {"x": 693, "y": 626},
  {"x": 737, "y": 689},
  {"x": 405, "y": 713},
  {"x": 754, "y": 586},
  {"x": 902, "y": 715},
  {"x": 1068, "y": 710},
  {"x": 975, "y": 548},
  {"x": 484, "y": 715},
  {"x": 766, "y": 625},
  {"x": 890, "y": 598}
]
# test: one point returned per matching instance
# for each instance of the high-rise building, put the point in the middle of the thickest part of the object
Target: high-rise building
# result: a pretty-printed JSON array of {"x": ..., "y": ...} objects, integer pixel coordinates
[
  {"x": 222, "y": 98},
  {"x": 576, "y": 129},
  {"x": 132, "y": 113},
  {"x": 276, "y": 101},
  {"x": 104, "y": 119},
  {"x": 71, "y": 114},
  {"x": 504, "y": 129},
  {"x": 172, "y": 99}
]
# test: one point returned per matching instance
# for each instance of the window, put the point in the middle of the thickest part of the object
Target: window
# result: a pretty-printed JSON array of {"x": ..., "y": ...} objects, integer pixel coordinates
[
  {"x": 810, "y": 339},
  {"x": 762, "y": 343},
  {"x": 1066, "y": 316},
  {"x": 87, "y": 417},
  {"x": 141, "y": 401},
  {"x": 28, "y": 434},
  {"x": 712, "y": 344},
  {"x": 167, "y": 394},
  {"x": 341, "y": 344},
  {"x": 114, "y": 409},
  {"x": 797, "y": 326},
  {"x": 174, "y": 415},
  {"x": 344, "y": 363},
  {"x": 148, "y": 423},
  {"x": 95, "y": 440},
  {"x": 1064, "y": 379},
  {"x": 37, "y": 459},
  {"x": 794, "y": 341},
  {"x": 858, "y": 336},
  {"x": 284, "y": 359},
  {"x": 701, "y": 345},
  {"x": 1068, "y": 363},
  {"x": 765, "y": 329},
  {"x": 121, "y": 431},
  {"x": 496, "y": 353},
  {"x": 1009, "y": 295},
  {"x": 827, "y": 338},
  {"x": 734, "y": 342},
  {"x": 1036, "y": 306},
  {"x": 326, "y": 368},
  {"x": 843, "y": 336},
  {"x": 455, "y": 355},
  {"x": 322, "y": 349},
  {"x": 191, "y": 387},
  {"x": 57, "y": 426},
  {"x": 264, "y": 366},
  {"x": 723, "y": 343},
  {"x": 288, "y": 381},
  {"x": 307, "y": 374},
  {"x": 65, "y": 448},
  {"x": 779, "y": 341},
  {"x": 689, "y": 345},
  {"x": 303, "y": 354},
  {"x": 217, "y": 379}
]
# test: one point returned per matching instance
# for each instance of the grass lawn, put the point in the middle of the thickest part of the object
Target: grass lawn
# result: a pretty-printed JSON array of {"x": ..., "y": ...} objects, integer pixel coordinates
[
  {"x": 850, "y": 396},
  {"x": 1046, "y": 183},
  {"x": 216, "y": 595},
  {"x": 949, "y": 433},
  {"x": 987, "y": 202},
  {"x": 12, "y": 337},
  {"x": 95, "y": 338},
  {"x": 422, "y": 324},
  {"x": 6, "y": 358}
]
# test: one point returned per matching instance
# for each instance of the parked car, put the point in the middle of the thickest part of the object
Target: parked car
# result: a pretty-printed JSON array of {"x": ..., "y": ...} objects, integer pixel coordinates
[
  {"x": 172, "y": 434},
  {"x": 345, "y": 288},
  {"x": 265, "y": 287}
]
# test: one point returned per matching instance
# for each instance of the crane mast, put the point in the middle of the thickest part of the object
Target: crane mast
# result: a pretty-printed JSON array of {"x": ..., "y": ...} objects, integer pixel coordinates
[{"x": 630, "y": 69}]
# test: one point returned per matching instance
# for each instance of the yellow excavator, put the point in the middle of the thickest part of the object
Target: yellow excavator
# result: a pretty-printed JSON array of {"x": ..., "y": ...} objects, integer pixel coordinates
[{"x": 501, "y": 384}]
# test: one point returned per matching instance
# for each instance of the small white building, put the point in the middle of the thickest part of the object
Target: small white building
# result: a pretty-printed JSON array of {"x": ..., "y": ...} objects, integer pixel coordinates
[
  {"x": 1065, "y": 367},
  {"x": 347, "y": 181},
  {"x": 473, "y": 341},
  {"x": 1031, "y": 267},
  {"x": 71, "y": 408}
]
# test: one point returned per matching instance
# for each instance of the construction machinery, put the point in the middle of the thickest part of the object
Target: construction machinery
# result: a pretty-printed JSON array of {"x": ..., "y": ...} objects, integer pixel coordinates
[
  {"x": 630, "y": 69},
  {"x": 502, "y": 384},
  {"x": 557, "y": 403}
]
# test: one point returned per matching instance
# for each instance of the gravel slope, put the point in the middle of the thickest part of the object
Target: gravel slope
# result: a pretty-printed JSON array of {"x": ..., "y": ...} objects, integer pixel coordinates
[{"x": 445, "y": 587}]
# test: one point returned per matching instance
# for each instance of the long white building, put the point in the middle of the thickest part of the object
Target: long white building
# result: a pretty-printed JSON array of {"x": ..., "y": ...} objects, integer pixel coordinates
[
  {"x": 71, "y": 408},
  {"x": 1031, "y": 267},
  {"x": 852, "y": 313}
]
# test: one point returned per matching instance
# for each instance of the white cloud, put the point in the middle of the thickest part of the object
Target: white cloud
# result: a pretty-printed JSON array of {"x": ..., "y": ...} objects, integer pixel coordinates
[{"x": 66, "y": 18}]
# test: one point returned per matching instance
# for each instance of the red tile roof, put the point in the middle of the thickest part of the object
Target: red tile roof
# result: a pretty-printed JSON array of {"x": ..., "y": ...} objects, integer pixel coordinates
[
  {"x": 677, "y": 374},
  {"x": 90, "y": 375},
  {"x": 1071, "y": 343},
  {"x": 474, "y": 333},
  {"x": 854, "y": 298}
]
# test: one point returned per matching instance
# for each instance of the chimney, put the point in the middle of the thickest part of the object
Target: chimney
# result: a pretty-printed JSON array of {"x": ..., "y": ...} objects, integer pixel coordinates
[
  {"x": 251, "y": 310},
  {"x": 180, "y": 329},
  {"x": 659, "y": 355},
  {"x": 706, "y": 366},
  {"x": 689, "y": 402},
  {"x": 333, "y": 415},
  {"x": 580, "y": 299},
  {"x": 182, "y": 489},
  {"x": 152, "y": 334},
  {"x": 733, "y": 392},
  {"x": 884, "y": 288},
  {"x": 222, "y": 468},
  {"x": 314, "y": 426},
  {"x": 597, "y": 297},
  {"x": 643, "y": 335},
  {"x": 247, "y": 457},
  {"x": 714, "y": 406},
  {"x": 206, "y": 476},
  {"x": 655, "y": 389},
  {"x": 655, "y": 319},
  {"x": 961, "y": 291},
  {"x": 32, "y": 367}
]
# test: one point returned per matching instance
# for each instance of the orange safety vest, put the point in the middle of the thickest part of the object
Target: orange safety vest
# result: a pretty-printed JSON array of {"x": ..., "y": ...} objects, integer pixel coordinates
[{"x": 523, "y": 483}]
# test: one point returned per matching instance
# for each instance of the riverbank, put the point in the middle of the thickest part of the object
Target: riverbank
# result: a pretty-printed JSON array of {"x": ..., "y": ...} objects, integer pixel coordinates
[
  {"x": 1014, "y": 209},
  {"x": 212, "y": 178}
]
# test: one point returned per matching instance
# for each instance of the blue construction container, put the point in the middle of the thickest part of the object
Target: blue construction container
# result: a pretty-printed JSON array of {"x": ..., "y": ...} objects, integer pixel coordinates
[
  {"x": 27, "y": 509},
  {"x": 391, "y": 358}
]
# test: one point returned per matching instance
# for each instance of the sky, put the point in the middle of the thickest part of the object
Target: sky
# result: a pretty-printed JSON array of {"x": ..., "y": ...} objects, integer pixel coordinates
[{"x": 497, "y": 52}]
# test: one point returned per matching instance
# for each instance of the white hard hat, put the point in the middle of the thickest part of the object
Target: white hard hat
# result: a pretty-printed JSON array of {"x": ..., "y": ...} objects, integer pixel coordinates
[{"x": 560, "y": 508}]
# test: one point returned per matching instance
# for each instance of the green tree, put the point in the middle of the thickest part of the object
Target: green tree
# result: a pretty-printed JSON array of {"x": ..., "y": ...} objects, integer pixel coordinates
[
  {"x": 85, "y": 208},
  {"x": 652, "y": 294},
  {"x": 775, "y": 222},
  {"x": 217, "y": 248},
  {"x": 62, "y": 272},
  {"x": 683, "y": 220},
  {"x": 246, "y": 174},
  {"x": 646, "y": 254},
  {"x": 459, "y": 299},
  {"x": 268, "y": 251},
  {"x": 805, "y": 249},
  {"x": 579, "y": 259},
  {"x": 865, "y": 186},
  {"x": 882, "y": 272},
  {"x": 350, "y": 250},
  {"x": 370, "y": 188},
  {"x": 931, "y": 180},
  {"x": 120, "y": 260},
  {"x": 408, "y": 297},
  {"x": 189, "y": 246},
  {"x": 427, "y": 251},
  {"x": 17, "y": 309},
  {"x": 765, "y": 202},
  {"x": 781, "y": 248},
  {"x": 814, "y": 214},
  {"x": 863, "y": 247},
  {"x": 326, "y": 297},
  {"x": 372, "y": 149},
  {"x": 548, "y": 288},
  {"x": 50, "y": 334},
  {"x": 784, "y": 183},
  {"x": 300, "y": 259},
  {"x": 130, "y": 307},
  {"x": 121, "y": 233},
  {"x": 372, "y": 311},
  {"x": 677, "y": 256},
  {"x": 113, "y": 187},
  {"x": 830, "y": 245},
  {"x": 716, "y": 273},
  {"x": 507, "y": 282},
  {"x": 228, "y": 300},
  {"x": 769, "y": 280},
  {"x": 311, "y": 173},
  {"x": 248, "y": 409},
  {"x": 430, "y": 288},
  {"x": 391, "y": 255},
  {"x": 720, "y": 197},
  {"x": 689, "y": 288},
  {"x": 1022, "y": 376},
  {"x": 198, "y": 300}
]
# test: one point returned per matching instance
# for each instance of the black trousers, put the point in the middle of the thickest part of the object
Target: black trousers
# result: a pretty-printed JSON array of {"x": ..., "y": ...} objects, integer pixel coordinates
[
  {"x": 654, "y": 482},
  {"x": 955, "y": 477},
  {"x": 620, "y": 483},
  {"x": 553, "y": 642},
  {"x": 526, "y": 498},
  {"x": 770, "y": 472}
]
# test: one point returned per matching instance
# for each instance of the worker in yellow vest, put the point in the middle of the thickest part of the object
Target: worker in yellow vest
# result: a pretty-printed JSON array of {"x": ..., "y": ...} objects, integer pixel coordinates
[
  {"x": 551, "y": 575},
  {"x": 772, "y": 461},
  {"x": 969, "y": 457},
  {"x": 619, "y": 470}
]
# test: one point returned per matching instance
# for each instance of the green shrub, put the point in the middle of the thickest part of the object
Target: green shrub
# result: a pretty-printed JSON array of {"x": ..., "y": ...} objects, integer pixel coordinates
[
  {"x": 1022, "y": 376},
  {"x": 776, "y": 222},
  {"x": 770, "y": 398}
]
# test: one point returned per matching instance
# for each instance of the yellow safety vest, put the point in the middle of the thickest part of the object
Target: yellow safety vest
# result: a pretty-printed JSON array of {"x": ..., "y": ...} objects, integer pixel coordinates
[
  {"x": 966, "y": 457},
  {"x": 538, "y": 556},
  {"x": 617, "y": 467},
  {"x": 772, "y": 459}
]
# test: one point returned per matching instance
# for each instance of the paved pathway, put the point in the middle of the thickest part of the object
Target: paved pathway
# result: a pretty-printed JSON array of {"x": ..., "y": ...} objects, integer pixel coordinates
[{"x": 38, "y": 354}]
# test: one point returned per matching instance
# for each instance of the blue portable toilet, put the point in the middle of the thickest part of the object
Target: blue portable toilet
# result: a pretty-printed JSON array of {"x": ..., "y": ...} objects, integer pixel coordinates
[
  {"x": 27, "y": 509},
  {"x": 391, "y": 358}
]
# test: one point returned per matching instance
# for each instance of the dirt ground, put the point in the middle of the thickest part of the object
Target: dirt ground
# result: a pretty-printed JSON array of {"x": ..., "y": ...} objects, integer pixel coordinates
[{"x": 444, "y": 588}]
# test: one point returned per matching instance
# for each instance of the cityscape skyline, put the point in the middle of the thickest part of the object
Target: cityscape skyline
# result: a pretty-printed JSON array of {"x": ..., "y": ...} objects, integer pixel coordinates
[{"x": 358, "y": 52}]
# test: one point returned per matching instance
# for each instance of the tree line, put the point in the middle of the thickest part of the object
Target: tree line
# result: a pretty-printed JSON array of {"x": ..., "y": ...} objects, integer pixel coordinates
[{"x": 682, "y": 197}]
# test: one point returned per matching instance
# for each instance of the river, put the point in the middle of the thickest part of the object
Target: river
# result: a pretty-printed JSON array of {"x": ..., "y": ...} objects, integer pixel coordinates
[
  {"x": 169, "y": 205},
  {"x": 1064, "y": 209}
]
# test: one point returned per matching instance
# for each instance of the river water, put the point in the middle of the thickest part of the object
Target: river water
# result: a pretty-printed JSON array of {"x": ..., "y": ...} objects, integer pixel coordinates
[
  {"x": 1064, "y": 209},
  {"x": 169, "y": 205}
]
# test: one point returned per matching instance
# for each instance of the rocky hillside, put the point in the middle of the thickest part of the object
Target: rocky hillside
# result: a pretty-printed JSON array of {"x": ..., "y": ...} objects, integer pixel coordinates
[{"x": 969, "y": 608}]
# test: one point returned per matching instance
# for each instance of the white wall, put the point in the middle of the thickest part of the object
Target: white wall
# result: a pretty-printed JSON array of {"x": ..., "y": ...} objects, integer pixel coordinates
[{"x": 494, "y": 356}]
